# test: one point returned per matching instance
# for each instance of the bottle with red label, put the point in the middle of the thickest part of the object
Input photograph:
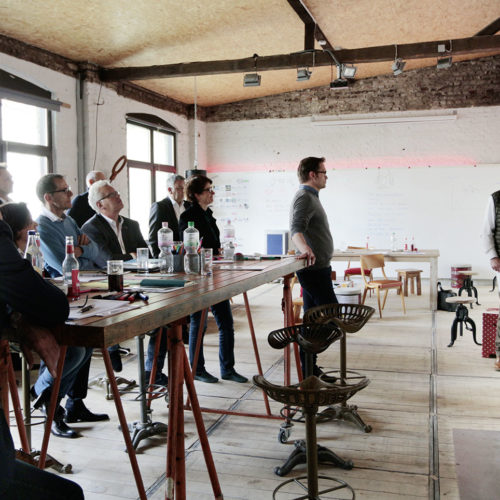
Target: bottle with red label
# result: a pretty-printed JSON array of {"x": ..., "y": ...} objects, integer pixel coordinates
[{"x": 70, "y": 269}]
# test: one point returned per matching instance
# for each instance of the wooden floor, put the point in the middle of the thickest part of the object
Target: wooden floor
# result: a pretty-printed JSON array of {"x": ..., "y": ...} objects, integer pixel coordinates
[{"x": 420, "y": 391}]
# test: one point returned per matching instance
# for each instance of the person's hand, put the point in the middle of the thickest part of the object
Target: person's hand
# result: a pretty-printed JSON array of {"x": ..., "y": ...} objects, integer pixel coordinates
[
  {"x": 495, "y": 264},
  {"x": 83, "y": 240},
  {"x": 309, "y": 255}
]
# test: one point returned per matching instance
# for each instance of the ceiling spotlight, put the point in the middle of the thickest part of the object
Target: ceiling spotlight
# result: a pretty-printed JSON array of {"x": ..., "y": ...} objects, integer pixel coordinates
[
  {"x": 303, "y": 74},
  {"x": 348, "y": 71},
  {"x": 339, "y": 82},
  {"x": 444, "y": 63},
  {"x": 251, "y": 80},
  {"x": 398, "y": 66}
]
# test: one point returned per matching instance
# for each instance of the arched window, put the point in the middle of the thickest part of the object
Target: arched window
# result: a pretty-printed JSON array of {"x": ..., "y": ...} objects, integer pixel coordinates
[{"x": 151, "y": 156}]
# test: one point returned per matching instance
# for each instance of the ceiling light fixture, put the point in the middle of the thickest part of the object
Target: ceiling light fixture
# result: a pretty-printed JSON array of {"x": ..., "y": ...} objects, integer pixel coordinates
[
  {"x": 446, "y": 61},
  {"x": 303, "y": 74},
  {"x": 252, "y": 79},
  {"x": 398, "y": 65}
]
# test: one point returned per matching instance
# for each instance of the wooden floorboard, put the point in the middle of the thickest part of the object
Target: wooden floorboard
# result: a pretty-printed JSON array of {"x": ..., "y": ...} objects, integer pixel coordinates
[{"x": 395, "y": 461}]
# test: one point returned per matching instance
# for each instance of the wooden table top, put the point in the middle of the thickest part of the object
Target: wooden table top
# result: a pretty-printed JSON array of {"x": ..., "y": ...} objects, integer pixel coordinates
[{"x": 164, "y": 308}]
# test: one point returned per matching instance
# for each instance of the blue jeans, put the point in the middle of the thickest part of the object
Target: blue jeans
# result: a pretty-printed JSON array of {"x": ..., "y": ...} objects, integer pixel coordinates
[
  {"x": 160, "y": 360},
  {"x": 75, "y": 358},
  {"x": 224, "y": 319},
  {"x": 317, "y": 290}
]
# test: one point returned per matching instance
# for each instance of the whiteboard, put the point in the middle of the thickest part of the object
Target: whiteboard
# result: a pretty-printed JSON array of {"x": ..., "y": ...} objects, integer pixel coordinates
[{"x": 440, "y": 207}]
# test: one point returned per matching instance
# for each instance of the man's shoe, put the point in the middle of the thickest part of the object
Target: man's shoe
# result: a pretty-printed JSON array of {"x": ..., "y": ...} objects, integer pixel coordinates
[
  {"x": 497, "y": 365},
  {"x": 78, "y": 412},
  {"x": 204, "y": 376},
  {"x": 318, "y": 372},
  {"x": 59, "y": 427},
  {"x": 160, "y": 379},
  {"x": 235, "y": 377},
  {"x": 116, "y": 360}
]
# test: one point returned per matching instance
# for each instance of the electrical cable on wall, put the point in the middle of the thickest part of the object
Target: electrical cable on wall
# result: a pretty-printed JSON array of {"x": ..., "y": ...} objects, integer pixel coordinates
[{"x": 98, "y": 103}]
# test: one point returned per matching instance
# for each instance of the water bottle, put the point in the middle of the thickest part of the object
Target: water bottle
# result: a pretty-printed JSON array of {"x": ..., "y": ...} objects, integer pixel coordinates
[
  {"x": 33, "y": 253},
  {"x": 70, "y": 269},
  {"x": 191, "y": 242},
  {"x": 165, "y": 236},
  {"x": 228, "y": 240},
  {"x": 393, "y": 242}
]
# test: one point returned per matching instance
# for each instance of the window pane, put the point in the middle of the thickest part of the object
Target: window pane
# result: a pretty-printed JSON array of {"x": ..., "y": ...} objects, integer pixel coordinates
[
  {"x": 163, "y": 148},
  {"x": 138, "y": 143},
  {"x": 24, "y": 123},
  {"x": 139, "y": 182},
  {"x": 161, "y": 184},
  {"x": 26, "y": 170}
]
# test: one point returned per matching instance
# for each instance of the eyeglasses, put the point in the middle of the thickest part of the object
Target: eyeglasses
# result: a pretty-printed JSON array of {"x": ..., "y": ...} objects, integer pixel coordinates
[
  {"x": 65, "y": 190},
  {"x": 211, "y": 190},
  {"x": 113, "y": 194},
  {"x": 321, "y": 172}
]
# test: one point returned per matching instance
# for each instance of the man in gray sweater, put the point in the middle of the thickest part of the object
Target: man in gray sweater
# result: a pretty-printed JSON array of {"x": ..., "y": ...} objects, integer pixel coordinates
[{"x": 311, "y": 235}]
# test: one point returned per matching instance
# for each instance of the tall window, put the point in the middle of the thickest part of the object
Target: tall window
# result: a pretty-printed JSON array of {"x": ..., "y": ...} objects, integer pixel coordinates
[
  {"x": 151, "y": 156},
  {"x": 25, "y": 135}
]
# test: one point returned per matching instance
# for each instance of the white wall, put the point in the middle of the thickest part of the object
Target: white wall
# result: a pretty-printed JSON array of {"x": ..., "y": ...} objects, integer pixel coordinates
[{"x": 442, "y": 206}]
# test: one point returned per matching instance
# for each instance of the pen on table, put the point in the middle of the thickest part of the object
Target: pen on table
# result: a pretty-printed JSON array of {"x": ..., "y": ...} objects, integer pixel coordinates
[
  {"x": 86, "y": 308},
  {"x": 143, "y": 296}
]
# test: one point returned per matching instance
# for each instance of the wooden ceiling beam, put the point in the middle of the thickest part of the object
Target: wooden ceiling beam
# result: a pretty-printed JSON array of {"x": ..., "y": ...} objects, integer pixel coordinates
[
  {"x": 461, "y": 46},
  {"x": 491, "y": 29}
]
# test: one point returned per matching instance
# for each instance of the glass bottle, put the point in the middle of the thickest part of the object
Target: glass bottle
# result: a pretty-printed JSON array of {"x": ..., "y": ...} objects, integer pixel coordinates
[
  {"x": 70, "y": 269},
  {"x": 33, "y": 253},
  {"x": 191, "y": 239},
  {"x": 393, "y": 242}
]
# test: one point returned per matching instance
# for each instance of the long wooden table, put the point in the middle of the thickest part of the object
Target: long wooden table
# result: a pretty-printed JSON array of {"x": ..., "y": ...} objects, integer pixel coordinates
[
  {"x": 170, "y": 308},
  {"x": 430, "y": 256}
]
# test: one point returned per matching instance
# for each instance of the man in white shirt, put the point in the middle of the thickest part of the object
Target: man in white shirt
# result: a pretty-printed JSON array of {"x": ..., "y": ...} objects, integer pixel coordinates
[
  {"x": 6, "y": 184},
  {"x": 491, "y": 244}
]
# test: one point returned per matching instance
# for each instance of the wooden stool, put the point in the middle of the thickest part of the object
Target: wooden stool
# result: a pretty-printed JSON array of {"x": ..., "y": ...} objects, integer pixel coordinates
[
  {"x": 412, "y": 275},
  {"x": 462, "y": 316},
  {"x": 468, "y": 286}
]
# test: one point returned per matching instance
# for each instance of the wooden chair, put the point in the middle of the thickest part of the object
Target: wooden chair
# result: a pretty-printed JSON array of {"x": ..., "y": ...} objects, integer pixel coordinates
[
  {"x": 355, "y": 271},
  {"x": 370, "y": 262}
]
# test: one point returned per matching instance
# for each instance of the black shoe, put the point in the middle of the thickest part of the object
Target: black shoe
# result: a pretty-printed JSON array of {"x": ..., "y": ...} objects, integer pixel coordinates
[
  {"x": 204, "y": 376},
  {"x": 160, "y": 379},
  {"x": 59, "y": 427},
  {"x": 39, "y": 400},
  {"x": 78, "y": 412},
  {"x": 318, "y": 372},
  {"x": 116, "y": 360},
  {"x": 235, "y": 377}
]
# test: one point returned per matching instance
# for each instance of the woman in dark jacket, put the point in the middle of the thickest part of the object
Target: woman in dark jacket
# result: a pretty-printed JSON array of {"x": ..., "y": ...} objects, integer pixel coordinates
[{"x": 200, "y": 193}]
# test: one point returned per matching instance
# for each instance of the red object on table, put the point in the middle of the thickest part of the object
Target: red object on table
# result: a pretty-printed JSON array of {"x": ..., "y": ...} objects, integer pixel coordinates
[{"x": 490, "y": 318}]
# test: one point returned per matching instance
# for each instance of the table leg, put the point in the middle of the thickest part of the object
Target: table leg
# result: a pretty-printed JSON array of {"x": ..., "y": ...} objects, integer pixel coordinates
[
  {"x": 433, "y": 278},
  {"x": 123, "y": 425}
]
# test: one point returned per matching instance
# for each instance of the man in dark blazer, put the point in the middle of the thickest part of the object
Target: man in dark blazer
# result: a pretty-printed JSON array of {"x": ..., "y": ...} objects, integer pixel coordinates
[
  {"x": 80, "y": 209},
  {"x": 117, "y": 236},
  {"x": 168, "y": 210}
]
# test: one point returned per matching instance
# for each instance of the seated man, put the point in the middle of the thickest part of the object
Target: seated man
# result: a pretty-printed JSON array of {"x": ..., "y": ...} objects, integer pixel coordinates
[
  {"x": 117, "y": 236},
  {"x": 37, "y": 306},
  {"x": 54, "y": 226},
  {"x": 80, "y": 209}
]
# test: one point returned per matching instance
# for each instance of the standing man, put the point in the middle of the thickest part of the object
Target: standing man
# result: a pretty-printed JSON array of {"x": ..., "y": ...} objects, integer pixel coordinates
[
  {"x": 491, "y": 244},
  {"x": 168, "y": 210},
  {"x": 6, "y": 184},
  {"x": 311, "y": 235},
  {"x": 80, "y": 209}
]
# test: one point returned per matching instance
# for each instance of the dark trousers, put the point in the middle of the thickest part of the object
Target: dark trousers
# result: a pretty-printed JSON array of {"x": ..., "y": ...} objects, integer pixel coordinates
[
  {"x": 224, "y": 319},
  {"x": 80, "y": 386},
  {"x": 317, "y": 290}
]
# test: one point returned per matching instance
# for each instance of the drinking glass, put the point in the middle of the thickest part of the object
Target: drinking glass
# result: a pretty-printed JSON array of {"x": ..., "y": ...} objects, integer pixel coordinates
[
  {"x": 142, "y": 260},
  {"x": 115, "y": 275},
  {"x": 208, "y": 254}
]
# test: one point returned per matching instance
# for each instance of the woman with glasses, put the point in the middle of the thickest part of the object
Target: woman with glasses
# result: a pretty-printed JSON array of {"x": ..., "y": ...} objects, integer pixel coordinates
[{"x": 200, "y": 193}]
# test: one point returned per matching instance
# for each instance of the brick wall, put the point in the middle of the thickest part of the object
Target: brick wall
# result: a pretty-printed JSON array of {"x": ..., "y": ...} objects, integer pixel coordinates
[{"x": 465, "y": 84}]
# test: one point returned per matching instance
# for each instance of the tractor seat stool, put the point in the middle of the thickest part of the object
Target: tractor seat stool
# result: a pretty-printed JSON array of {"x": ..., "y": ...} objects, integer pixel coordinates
[
  {"x": 410, "y": 275},
  {"x": 309, "y": 394},
  {"x": 461, "y": 317},
  {"x": 468, "y": 286}
]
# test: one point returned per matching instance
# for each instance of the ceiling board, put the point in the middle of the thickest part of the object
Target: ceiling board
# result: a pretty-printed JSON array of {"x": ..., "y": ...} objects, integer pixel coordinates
[{"x": 113, "y": 33}]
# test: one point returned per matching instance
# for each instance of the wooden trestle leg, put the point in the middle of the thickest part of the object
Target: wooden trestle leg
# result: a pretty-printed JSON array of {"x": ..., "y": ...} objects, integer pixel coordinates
[{"x": 180, "y": 372}]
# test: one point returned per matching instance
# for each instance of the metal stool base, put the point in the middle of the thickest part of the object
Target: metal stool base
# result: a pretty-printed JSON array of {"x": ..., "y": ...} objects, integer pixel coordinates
[
  {"x": 461, "y": 318},
  {"x": 299, "y": 456},
  {"x": 302, "y": 483}
]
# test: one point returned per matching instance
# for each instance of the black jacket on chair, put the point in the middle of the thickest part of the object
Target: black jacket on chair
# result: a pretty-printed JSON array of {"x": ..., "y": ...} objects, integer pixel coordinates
[
  {"x": 99, "y": 231},
  {"x": 80, "y": 209},
  {"x": 163, "y": 211}
]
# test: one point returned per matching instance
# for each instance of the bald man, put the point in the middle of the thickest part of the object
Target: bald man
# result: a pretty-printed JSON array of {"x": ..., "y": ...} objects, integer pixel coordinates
[{"x": 80, "y": 209}]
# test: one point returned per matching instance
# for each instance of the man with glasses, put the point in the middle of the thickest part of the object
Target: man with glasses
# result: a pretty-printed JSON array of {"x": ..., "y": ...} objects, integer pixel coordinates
[
  {"x": 311, "y": 235},
  {"x": 168, "y": 210},
  {"x": 53, "y": 226}
]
